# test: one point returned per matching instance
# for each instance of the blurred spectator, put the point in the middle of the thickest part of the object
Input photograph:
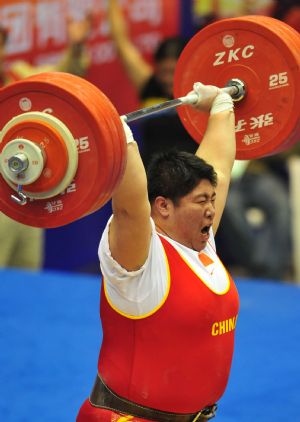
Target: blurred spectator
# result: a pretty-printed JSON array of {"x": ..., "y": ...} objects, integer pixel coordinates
[
  {"x": 154, "y": 84},
  {"x": 287, "y": 11},
  {"x": 23, "y": 246},
  {"x": 257, "y": 219}
]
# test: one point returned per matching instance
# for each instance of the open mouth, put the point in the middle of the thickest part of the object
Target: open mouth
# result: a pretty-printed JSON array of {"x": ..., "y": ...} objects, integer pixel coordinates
[{"x": 205, "y": 230}]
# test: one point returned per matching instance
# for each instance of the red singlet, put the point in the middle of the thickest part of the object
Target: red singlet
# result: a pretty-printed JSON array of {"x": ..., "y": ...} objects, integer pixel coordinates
[{"x": 178, "y": 359}]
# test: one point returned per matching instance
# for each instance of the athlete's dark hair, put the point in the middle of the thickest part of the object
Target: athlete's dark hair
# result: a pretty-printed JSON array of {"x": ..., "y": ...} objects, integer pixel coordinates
[
  {"x": 174, "y": 174},
  {"x": 169, "y": 48}
]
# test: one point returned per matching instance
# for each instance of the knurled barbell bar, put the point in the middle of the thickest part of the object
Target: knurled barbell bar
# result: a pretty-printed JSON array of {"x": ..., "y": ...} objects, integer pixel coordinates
[
  {"x": 234, "y": 87},
  {"x": 62, "y": 145}
]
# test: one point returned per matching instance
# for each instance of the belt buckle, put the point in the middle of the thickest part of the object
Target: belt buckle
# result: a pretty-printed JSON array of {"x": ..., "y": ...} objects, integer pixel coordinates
[{"x": 203, "y": 413}]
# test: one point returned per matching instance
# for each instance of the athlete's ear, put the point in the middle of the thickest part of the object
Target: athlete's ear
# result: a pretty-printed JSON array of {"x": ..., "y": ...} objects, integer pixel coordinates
[{"x": 163, "y": 206}]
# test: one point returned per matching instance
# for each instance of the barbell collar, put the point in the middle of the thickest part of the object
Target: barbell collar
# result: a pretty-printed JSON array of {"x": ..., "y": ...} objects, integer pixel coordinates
[
  {"x": 20, "y": 198},
  {"x": 240, "y": 89}
]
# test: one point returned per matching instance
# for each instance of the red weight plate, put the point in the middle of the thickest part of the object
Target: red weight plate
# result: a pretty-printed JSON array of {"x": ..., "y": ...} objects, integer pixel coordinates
[
  {"x": 53, "y": 146},
  {"x": 294, "y": 43},
  {"x": 258, "y": 51},
  {"x": 107, "y": 162},
  {"x": 116, "y": 132},
  {"x": 80, "y": 107},
  {"x": 119, "y": 149},
  {"x": 103, "y": 111}
]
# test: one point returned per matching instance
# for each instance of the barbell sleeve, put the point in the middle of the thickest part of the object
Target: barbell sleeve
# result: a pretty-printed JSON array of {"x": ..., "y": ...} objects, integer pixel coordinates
[{"x": 233, "y": 88}]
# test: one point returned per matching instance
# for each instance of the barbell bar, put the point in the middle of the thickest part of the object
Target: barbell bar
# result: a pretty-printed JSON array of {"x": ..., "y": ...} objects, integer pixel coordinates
[
  {"x": 234, "y": 87},
  {"x": 18, "y": 166},
  {"x": 20, "y": 173},
  {"x": 63, "y": 141}
]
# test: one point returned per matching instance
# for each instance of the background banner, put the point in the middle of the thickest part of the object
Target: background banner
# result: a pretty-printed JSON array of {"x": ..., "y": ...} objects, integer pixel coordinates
[{"x": 38, "y": 34}]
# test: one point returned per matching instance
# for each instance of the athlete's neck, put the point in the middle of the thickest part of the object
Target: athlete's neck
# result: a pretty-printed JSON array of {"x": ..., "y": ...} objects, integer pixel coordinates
[{"x": 162, "y": 231}]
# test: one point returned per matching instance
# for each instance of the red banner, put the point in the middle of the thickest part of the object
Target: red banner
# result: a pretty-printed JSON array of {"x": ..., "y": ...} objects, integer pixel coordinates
[{"x": 37, "y": 33}]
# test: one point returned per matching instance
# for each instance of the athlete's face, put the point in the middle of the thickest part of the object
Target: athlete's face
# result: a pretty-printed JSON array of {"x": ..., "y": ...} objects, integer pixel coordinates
[
  {"x": 193, "y": 216},
  {"x": 164, "y": 71}
]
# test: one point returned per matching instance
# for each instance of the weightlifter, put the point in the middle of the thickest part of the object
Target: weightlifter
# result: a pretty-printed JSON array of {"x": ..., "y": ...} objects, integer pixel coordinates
[{"x": 168, "y": 305}]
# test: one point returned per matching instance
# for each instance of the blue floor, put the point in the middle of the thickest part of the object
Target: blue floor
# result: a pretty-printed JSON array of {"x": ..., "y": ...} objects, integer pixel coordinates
[{"x": 50, "y": 336}]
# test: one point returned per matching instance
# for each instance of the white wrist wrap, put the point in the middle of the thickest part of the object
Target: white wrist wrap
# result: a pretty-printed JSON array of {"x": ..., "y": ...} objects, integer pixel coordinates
[
  {"x": 128, "y": 132},
  {"x": 222, "y": 102}
]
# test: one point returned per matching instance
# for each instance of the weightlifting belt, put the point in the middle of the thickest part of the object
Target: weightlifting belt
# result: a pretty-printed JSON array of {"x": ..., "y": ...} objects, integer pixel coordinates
[{"x": 102, "y": 396}]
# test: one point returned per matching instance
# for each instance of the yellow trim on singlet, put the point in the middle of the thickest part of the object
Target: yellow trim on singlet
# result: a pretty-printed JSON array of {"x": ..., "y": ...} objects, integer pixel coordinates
[
  {"x": 203, "y": 281},
  {"x": 155, "y": 309}
]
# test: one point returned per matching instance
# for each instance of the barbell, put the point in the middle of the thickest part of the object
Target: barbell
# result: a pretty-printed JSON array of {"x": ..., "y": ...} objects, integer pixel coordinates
[{"x": 62, "y": 144}]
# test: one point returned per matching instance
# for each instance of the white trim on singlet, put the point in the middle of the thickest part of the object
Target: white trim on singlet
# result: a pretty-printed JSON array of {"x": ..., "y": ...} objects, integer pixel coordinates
[{"x": 137, "y": 294}]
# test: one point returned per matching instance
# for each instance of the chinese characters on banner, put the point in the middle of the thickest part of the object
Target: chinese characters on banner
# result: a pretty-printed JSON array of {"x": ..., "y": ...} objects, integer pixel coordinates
[{"x": 37, "y": 33}]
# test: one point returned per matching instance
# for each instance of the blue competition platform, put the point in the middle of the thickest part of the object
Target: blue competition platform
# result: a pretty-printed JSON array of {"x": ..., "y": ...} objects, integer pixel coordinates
[{"x": 50, "y": 335}]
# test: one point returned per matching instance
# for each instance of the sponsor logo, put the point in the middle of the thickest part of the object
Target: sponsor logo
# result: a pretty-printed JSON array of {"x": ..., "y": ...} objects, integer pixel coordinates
[{"x": 229, "y": 56}]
